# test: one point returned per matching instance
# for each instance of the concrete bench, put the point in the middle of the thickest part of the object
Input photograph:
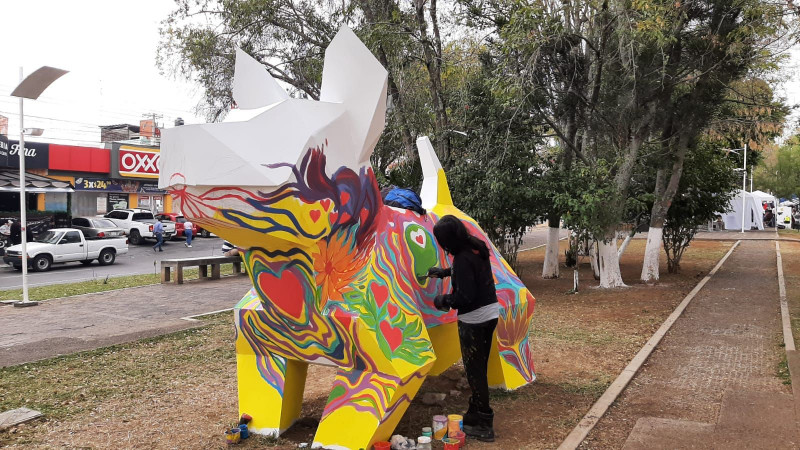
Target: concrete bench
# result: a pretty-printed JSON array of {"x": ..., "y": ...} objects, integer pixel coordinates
[{"x": 202, "y": 263}]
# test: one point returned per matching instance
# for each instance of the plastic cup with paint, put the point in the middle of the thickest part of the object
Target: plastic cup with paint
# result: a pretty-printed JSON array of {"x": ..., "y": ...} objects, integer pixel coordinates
[
  {"x": 233, "y": 436},
  {"x": 453, "y": 423},
  {"x": 450, "y": 444},
  {"x": 424, "y": 443},
  {"x": 460, "y": 437},
  {"x": 439, "y": 427},
  {"x": 382, "y": 445},
  {"x": 244, "y": 431},
  {"x": 427, "y": 431}
]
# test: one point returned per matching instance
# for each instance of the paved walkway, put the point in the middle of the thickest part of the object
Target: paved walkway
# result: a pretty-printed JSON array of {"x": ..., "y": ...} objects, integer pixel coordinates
[
  {"x": 67, "y": 325},
  {"x": 712, "y": 381}
]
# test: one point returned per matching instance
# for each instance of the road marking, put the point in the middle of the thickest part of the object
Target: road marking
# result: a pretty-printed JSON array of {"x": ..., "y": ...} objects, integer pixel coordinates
[
  {"x": 539, "y": 246},
  {"x": 600, "y": 407}
]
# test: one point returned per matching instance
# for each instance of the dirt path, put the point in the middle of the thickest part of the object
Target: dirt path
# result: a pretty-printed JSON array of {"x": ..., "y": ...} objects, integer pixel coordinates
[{"x": 713, "y": 383}]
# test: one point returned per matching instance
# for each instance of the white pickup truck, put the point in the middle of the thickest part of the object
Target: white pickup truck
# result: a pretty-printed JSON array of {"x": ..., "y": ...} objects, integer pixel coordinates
[
  {"x": 138, "y": 224},
  {"x": 61, "y": 245}
]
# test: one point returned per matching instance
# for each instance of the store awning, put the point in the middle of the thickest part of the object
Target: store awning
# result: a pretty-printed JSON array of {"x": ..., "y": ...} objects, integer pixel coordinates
[{"x": 35, "y": 184}]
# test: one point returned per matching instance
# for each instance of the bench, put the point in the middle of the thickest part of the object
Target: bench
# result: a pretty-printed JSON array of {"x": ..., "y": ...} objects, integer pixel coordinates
[{"x": 202, "y": 263}]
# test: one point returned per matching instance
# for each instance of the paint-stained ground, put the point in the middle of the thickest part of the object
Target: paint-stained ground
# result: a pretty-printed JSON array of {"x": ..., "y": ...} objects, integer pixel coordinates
[{"x": 179, "y": 390}]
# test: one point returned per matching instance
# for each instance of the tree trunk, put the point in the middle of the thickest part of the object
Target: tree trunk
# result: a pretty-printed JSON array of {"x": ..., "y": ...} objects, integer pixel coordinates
[
  {"x": 550, "y": 269},
  {"x": 652, "y": 254},
  {"x": 664, "y": 194},
  {"x": 594, "y": 259},
  {"x": 610, "y": 275}
]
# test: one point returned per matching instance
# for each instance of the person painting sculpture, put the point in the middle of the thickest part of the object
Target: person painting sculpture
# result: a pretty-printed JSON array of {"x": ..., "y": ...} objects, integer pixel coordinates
[{"x": 475, "y": 298}]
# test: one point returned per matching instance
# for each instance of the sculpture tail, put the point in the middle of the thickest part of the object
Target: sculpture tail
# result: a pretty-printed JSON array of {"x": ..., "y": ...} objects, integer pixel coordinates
[{"x": 435, "y": 190}]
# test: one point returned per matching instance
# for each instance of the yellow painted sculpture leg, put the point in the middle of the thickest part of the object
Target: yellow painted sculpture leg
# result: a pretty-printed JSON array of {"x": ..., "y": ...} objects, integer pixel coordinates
[
  {"x": 445, "y": 344},
  {"x": 365, "y": 407},
  {"x": 273, "y": 410}
]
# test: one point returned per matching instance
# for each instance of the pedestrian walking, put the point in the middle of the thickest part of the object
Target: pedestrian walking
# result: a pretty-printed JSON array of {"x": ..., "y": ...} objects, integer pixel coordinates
[
  {"x": 475, "y": 297},
  {"x": 158, "y": 230},
  {"x": 16, "y": 233},
  {"x": 187, "y": 230}
]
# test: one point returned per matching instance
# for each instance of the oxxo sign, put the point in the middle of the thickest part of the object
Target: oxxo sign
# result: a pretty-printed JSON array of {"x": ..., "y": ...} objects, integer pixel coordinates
[{"x": 138, "y": 162}]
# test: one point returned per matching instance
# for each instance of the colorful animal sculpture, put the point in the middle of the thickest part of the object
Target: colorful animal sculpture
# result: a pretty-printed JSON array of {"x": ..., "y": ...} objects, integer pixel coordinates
[{"x": 338, "y": 277}]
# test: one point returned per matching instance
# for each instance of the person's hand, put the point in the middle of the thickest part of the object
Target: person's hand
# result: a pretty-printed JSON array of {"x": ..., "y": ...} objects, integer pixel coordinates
[
  {"x": 440, "y": 303},
  {"x": 436, "y": 272}
]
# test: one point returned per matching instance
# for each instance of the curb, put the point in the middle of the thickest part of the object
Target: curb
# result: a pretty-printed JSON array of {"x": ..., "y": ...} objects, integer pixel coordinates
[
  {"x": 792, "y": 356},
  {"x": 588, "y": 422}
]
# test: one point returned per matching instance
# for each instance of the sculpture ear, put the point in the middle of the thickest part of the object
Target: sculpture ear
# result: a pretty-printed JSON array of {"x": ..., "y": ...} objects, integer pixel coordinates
[
  {"x": 253, "y": 86},
  {"x": 354, "y": 77},
  {"x": 435, "y": 190}
]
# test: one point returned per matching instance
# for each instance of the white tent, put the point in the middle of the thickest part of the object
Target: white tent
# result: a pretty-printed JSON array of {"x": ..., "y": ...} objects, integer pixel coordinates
[
  {"x": 753, "y": 212},
  {"x": 762, "y": 197}
]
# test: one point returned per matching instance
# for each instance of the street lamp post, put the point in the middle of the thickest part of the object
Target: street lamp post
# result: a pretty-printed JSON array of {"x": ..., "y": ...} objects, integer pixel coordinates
[
  {"x": 744, "y": 185},
  {"x": 30, "y": 87}
]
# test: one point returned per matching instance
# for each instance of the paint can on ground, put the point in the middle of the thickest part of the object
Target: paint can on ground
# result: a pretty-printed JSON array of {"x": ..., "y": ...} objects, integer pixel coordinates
[
  {"x": 424, "y": 443},
  {"x": 382, "y": 445},
  {"x": 427, "y": 431},
  {"x": 439, "y": 427},
  {"x": 450, "y": 444},
  {"x": 453, "y": 423},
  {"x": 460, "y": 437},
  {"x": 244, "y": 431},
  {"x": 233, "y": 436}
]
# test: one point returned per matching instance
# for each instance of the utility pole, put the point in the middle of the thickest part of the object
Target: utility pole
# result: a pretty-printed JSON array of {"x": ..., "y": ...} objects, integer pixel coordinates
[{"x": 154, "y": 117}]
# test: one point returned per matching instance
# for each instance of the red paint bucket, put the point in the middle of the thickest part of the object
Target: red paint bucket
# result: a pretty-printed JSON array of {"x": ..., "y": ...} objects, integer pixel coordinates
[{"x": 382, "y": 445}]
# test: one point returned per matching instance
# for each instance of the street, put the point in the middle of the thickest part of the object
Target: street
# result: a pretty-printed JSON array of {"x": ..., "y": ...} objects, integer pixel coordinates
[{"x": 139, "y": 259}]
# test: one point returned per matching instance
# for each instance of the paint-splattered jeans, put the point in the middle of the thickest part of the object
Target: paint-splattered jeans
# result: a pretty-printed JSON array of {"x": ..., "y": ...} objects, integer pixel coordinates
[{"x": 476, "y": 343}]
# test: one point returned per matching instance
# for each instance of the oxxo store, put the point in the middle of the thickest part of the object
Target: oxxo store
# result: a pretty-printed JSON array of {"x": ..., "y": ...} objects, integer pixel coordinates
[
  {"x": 132, "y": 183},
  {"x": 124, "y": 176}
]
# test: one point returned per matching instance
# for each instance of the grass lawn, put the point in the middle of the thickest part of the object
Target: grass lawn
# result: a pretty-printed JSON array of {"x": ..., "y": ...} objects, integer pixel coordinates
[
  {"x": 179, "y": 390},
  {"x": 790, "y": 254},
  {"x": 98, "y": 285},
  {"x": 789, "y": 234}
]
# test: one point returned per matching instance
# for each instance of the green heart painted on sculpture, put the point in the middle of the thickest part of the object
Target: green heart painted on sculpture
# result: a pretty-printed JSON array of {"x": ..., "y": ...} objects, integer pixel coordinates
[{"x": 422, "y": 246}]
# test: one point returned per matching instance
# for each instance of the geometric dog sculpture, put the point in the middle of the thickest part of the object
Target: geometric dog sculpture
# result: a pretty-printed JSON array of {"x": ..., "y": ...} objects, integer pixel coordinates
[{"x": 338, "y": 277}]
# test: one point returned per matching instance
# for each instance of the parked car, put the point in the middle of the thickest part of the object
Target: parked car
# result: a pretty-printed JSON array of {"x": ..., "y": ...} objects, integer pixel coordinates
[
  {"x": 97, "y": 227},
  {"x": 179, "y": 220},
  {"x": 138, "y": 224},
  {"x": 62, "y": 245}
]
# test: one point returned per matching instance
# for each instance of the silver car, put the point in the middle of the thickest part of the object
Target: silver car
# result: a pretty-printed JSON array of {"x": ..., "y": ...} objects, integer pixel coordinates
[{"x": 97, "y": 227}]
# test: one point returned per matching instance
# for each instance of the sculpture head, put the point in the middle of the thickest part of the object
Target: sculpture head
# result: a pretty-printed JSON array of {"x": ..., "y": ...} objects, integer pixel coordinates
[{"x": 281, "y": 172}]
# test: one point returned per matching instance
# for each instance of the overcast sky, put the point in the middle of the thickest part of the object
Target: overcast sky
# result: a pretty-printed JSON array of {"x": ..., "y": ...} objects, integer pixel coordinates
[{"x": 109, "y": 47}]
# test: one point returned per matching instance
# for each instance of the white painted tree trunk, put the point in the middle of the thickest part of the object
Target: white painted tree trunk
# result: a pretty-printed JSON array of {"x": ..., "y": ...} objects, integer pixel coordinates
[
  {"x": 624, "y": 245},
  {"x": 610, "y": 275},
  {"x": 651, "y": 255},
  {"x": 550, "y": 269},
  {"x": 593, "y": 259}
]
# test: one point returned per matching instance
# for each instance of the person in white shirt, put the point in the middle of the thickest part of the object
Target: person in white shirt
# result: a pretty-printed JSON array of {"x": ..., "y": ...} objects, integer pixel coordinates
[{"x": 187, "y": 230}]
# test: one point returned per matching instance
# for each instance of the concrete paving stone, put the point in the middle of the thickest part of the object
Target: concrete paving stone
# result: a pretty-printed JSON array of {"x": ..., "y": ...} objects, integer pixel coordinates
[
  {"x": 67, "y": 325},
  {"x": 653, "y": 433},
  {"x": 763, "y": 414},
  {"x": 17, "y": 416}
]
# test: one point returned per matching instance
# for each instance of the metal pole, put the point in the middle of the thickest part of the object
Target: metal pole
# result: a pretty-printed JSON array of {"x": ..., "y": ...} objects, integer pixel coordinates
[
  {"x": 22, "y": 206},
  {"x": 744, "y": 185}
]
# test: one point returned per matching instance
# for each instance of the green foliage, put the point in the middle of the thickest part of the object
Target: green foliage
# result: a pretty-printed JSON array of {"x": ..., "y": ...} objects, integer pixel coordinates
[
  {"x": 781, "y": 174},
  {"x": 708, "y": 184}
]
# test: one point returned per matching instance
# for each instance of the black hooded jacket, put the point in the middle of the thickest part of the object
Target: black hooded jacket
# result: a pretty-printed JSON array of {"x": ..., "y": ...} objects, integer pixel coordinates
[{"x": 472, "y": 282}]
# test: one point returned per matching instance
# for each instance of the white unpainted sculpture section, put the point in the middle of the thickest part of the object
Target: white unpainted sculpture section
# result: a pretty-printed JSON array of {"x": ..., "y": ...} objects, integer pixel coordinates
[
  {"x": 346, "y": 123},
  {"x": 429, "y": 194},
  {"x": 550, "y": 268},
  {"x": 610, "y": 275},
  {"x": 651, "y": 254}
]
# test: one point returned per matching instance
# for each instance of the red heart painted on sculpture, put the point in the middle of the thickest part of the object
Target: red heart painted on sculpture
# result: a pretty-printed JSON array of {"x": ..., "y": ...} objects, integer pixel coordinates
[
  {"x": 344, "y": 197},
  {"x": 314, "y": 215},
  {"x": 333, "y": 217},
  {"x": 381, "y": 293},
  {"x": 393, "y": 310},
  {"x": 285, "y": 292},
  {"x": 325, "y": 203},
  {"x": 393, "y": 336}
]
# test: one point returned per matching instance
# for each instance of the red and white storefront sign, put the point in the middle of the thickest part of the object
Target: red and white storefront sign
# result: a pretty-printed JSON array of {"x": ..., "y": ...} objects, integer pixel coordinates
[{"x": 138, "y": 162}]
